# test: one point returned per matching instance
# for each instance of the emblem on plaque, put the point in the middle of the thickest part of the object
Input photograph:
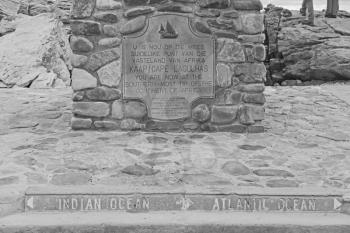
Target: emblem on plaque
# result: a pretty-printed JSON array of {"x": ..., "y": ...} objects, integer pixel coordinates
[{"x": 168, "y": 66}]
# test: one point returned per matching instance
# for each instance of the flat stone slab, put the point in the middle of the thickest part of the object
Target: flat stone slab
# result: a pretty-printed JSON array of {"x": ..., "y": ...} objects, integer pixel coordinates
[{"x": 171, "y": 222}]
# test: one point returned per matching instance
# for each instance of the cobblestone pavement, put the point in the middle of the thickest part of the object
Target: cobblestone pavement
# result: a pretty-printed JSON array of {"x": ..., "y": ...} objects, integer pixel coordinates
[{"x": 306, "y": 145}]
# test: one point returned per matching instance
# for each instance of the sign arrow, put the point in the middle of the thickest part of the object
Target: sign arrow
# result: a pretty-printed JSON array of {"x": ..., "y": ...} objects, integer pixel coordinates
[
  {"x": 30, "y": 202},
  {"x": 337, "y": 204}
]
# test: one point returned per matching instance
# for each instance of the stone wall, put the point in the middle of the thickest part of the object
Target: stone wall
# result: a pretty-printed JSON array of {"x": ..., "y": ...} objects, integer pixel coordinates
[{"x": 238, "y": 28}]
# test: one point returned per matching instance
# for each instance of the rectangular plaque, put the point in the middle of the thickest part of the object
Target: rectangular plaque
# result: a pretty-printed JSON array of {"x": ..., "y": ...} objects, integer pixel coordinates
[
  {"x": 181, "y": 202},
  {"x": 168, "y": 66}
]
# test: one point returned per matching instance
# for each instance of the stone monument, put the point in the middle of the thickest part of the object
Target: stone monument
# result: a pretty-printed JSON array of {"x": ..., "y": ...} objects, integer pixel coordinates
[{"x": 168, "y": 65}]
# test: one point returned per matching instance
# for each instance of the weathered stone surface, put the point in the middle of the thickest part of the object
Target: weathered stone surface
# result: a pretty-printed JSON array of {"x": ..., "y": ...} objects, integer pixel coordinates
[
  {"x": 235, "y": 128},
  {"x": 256, "y": 111},
  {"x": 232, "y": 97},
  {"x": 254, "y": 98},
  {"x": 110, "y": 42},
  {"x": 138, "y": 170},
  {"x": 99, "y": 59},
  {"x": 247, "y": 5},
  {"x": 252, "y": 88},
  {"x": 82, "y": 79},
  {"x": 224, "y": 75},
  {"x": 78, "y": 60},
  {"x": 282, "y": 183},
  {"x": 135, "y": 2},
  {"x": 135, "y": 109},
  {"x": 251, "y": 72},
  {"x": 133, "y": 25},
  {"x": 201, "y": 113},
  {"x": 156, "y": 140},
  {"x": 71, "y": 178},
  {"x": 221, "y": 4},
  {"x": 252, "y": 23},
  {"x": 44, "y": 80},
  {"x": 256, "y": 129},
  {"x": 207, "y": 13},
  {"x": 272, "y": 172},
  {"x": 131, "y": 124},
  {"x": 91, "y": 109},
  {"x": 136, "y": 11},
  {"x": 9, "y": 180},
  {"x": 223, "y": 114},
  {"x": 82, "y": 9},
  {"x": 106, "y": 125},
  {"x": 260, "y": 38},
  {"x": 259, "y": 52},
  {"x": 229, "y": 50},
  {"x": 81, "y": 123},
  {"x": 220, "y": 24},
  {"x": 175, "y": 8},
  {"x": 111, "y": 30},
  {"x": 108, "y": 5},
  {"x": 251, "y": 147},
  {"x": 230, "y": 14},
  {"x": 110, "y": 74},
  {"x": 81, "y": 44},
  {"x": 103, "y": 93},
  {"x": 106, "y": 17},
  {"x": 85, "y": 27},
  {"x": 246, "y": 116},
  {"x": 235, "y": 168},
  {"x": 78, "y": 95},
  {"x": 118, "y": 110},
  {"x": 202, "y": 27}
]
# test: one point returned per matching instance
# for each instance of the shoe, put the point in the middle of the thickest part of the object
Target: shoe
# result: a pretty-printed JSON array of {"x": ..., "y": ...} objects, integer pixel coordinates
[{"x": 302, "y": 11}]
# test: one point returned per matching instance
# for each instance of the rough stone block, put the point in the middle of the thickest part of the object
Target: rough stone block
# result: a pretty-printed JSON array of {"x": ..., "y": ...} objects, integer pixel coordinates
[
  {"x": 260, "y": 38},
  {"x": 232, "y": 97},
  {"x": 201, "y": 113},
  {"x": 247, "y": 5},
  {"x": 256, "y": 129},
  {"x": 118, "y": 110},
  {"x": 251, "y": 72},
  {"x": 103, "y": 94},
  {"x": 135, "y": 109},
  {"x": 108, "y": 4},
  {"x": 131, "y": 124},
  {"x": 82, "y": 79},
  {"x": 82, "y": 8},
  {"x": 259, "y": 52},
  {"x": 229, "y": 50},
  {"x": 106, "y": 125},
  {"x": 232, "y": 14},
  {"x": 235, "y": 128},
  {"x": 109, "y": 42},
  {"x": 255, "y": 88},
  {"x": 257, "y": 112},
  {"x": 254, "y": 98},
  {"x": 91, "y": 109},
  {"x": 81, "y": 44},
  {"x": 111, "y": 30},
  {"x": 135, "y": 2},
  {"x": 78, "y": 60},
  {"x": 137, "y": 11},
  {"x": 246, "y": 116},
  {"x": 81, "y": 123},
  {"x": 220, "y": 4},
  {"x": 85, "y": 27},
  {"x": 223, "y": 114},
  {"x": 133, "y": 25},
  {"x": 173, "y": 7},
  {"x": 253, "y": 23},
  {"x": 106, "y": 17},
  {"x": 110, "y": 74},
  {"x": 99, "y": 59},
  {"x": 210, "y": 13},
  {"x": 224, "y": 75}
]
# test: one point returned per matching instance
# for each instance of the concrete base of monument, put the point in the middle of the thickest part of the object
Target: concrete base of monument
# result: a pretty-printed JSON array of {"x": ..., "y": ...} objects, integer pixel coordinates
[{"x": 171, "y": 222}]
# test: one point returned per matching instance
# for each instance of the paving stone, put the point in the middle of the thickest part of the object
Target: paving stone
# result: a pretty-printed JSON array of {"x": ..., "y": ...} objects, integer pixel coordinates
[
  {"x": 182, "y": 141},
  {"x": 133, "y": 25},
  {"x": 251, "y": 147},
  {"x": 139, "y": 170},
  {"x": 36, "y": 178},
  {"x": 273, "y": 172},
  {"x": 204, "y": 179},
  {"x": 235, "y": 168},
  {"x": 156, "y": 140},
  {"x": 282, "y": 183},
  {"x": 71, "y": 178},
  {"x": 9, "y": 180},
  {"x": 133, "y": 151}
]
